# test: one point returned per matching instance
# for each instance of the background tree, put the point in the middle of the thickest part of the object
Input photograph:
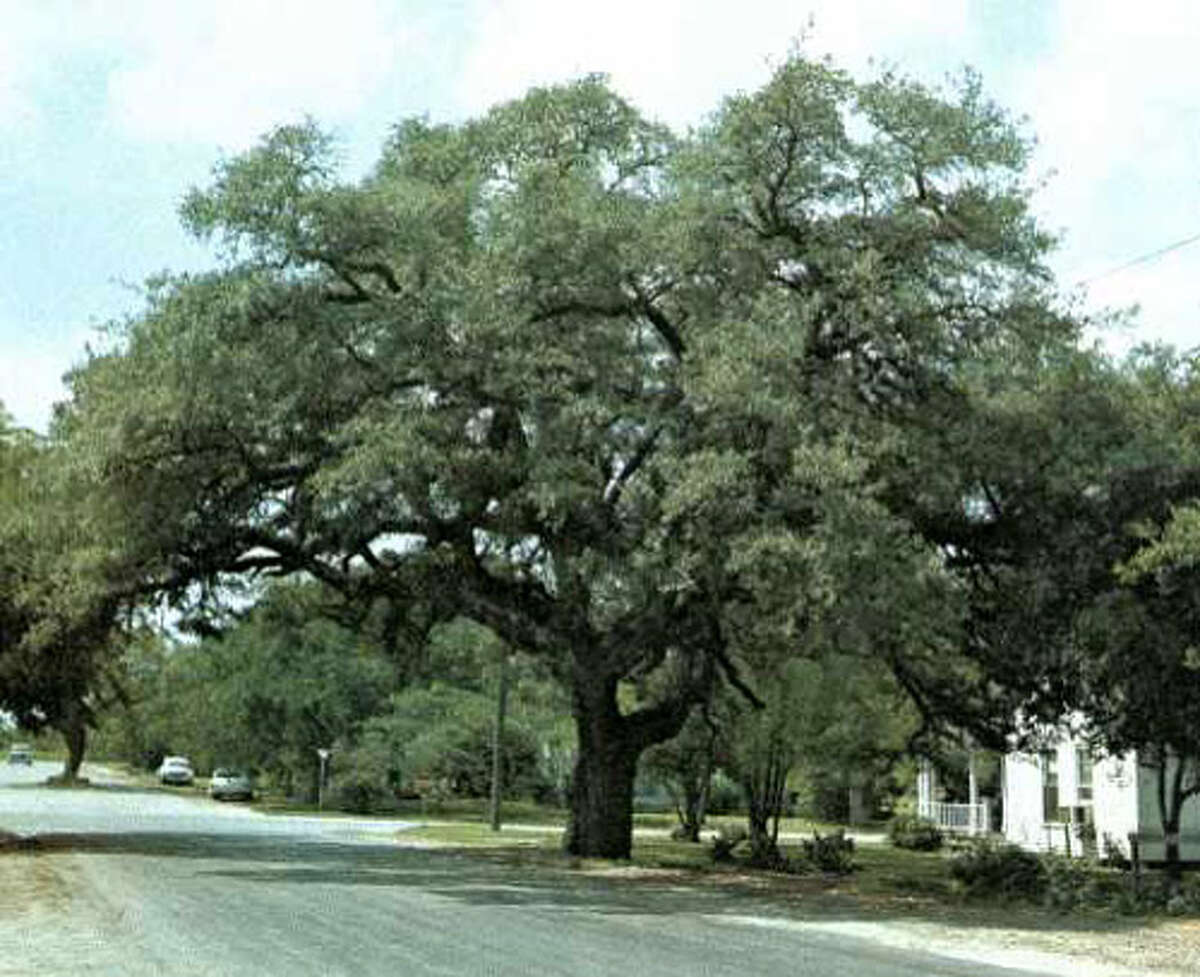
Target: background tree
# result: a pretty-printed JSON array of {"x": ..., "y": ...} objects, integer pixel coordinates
[
  {"x": 265, "y": 695},
  {"x": 437, "y": 741},
  {"x": 855, "y": 728},
  {"x": 1136, "y": 634},
  {"x": 61, "y": 606},
  {"x": 1087, "y": 460},
  {"x": 685, "y": 764}
]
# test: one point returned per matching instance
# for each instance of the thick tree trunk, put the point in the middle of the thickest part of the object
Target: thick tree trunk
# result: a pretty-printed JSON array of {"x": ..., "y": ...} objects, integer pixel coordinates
[
  {"x": 74, "y": 732},
  {"x": 610, "y": 743},
  {"x": 601, "y": 823}
]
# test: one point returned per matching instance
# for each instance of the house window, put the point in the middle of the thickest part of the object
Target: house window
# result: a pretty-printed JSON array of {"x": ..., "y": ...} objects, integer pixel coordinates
[
  {"x": 1049, "y": 763},
  {"x": 1083, "y": 776}
]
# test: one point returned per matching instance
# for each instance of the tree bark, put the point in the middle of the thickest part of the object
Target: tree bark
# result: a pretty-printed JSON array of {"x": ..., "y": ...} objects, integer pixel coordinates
[
  {"x": 765, "y": 794},
  {"x": 1170, "y": 804},
  {"x": 74, "y": 732},
  {"x": 601, "y": 823},
  {"x": 610, "y": 743},
  {"x": 696, "y": 788}
]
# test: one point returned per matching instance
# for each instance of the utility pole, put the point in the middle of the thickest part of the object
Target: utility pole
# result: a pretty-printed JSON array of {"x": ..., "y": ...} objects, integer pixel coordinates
[{"x": 498, "y": 742}]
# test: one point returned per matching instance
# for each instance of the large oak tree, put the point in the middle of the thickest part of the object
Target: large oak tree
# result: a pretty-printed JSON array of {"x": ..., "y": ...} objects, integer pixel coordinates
[{"x": 627, "y": 398}]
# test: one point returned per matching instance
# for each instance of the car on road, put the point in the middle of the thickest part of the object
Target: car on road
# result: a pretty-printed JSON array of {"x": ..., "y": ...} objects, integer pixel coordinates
[
  {"x": 21, "y": 753},
  {"x": 176, "y": 770},
  {"x": 228, "y": 784}
]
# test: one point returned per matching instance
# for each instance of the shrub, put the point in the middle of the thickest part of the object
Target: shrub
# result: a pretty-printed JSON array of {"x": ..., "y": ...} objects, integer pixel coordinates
[
  {"x": 726, "y": 840},
  {"x": 1069, "y": 883},
  {"x": 997, "y": 870},
  {"x": 917, "y": 834},
  {"x": 724, "y": 795},
  {"x": 1113, "y": 854},
  {"x": 1081, "y": 884},
  {"x": 831, "y": 853},
  {"x": 360, "y": 795},
  {"x": 1183, "y": 902}
]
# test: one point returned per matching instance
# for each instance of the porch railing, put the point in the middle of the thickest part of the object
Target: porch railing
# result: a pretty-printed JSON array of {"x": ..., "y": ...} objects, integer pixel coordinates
[{"x": 967, "y": 819}]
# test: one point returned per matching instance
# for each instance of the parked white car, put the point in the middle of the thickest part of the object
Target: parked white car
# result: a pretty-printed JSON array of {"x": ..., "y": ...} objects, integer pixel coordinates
[
  {"x": 176, "y": 770},
  {"x": 230, "y": 785}
]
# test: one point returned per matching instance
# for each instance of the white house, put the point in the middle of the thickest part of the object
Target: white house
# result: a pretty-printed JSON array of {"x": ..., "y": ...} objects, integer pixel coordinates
[
  {"x": 973, "y": 817},
  {"x": 1052, "y": 800}
]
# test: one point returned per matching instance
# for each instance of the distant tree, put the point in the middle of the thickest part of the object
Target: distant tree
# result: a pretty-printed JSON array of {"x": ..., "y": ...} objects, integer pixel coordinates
[
  {"x": 266, "y": 694},
  {"x": 855, "y": 727},
  {"x": 61, "y": 606},
  {"x": 442, "y": 737},
  {"x": 686, "y": 764}
]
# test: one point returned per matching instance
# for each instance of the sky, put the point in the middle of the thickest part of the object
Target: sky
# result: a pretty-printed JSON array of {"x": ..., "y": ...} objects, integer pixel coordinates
[{"x": 110, "y": 110}]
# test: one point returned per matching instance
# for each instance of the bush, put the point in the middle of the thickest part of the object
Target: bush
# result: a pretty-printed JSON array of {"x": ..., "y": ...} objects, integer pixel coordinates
[
  {"x": 444, "y": 736},
  {"x": 1068, "y": 884},
  {"x": 1113, "y": 855},
  {"x": 726, "y": 840},
  {"x": 462, "y": 757},
  {"x": 1184, "y": 902},
  {"x": 827, "y": 801},
  {"x": 831, "y": 853},
  {"x": 724, "y": 795},
  {"x": 361, "y": 795},
  {"x": 917, "y": 834},
  {"x": 995, "y": 870},
  {"x": 1081, "y": 884}
]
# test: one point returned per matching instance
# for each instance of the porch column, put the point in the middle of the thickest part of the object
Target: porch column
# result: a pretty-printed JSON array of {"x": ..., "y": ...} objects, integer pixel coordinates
[
  {"x": 925, "y": 788},
  {"x": 973, "y": 794}
]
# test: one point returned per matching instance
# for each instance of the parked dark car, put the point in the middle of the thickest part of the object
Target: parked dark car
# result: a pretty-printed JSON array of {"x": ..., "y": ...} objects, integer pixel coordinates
[{"x": 21, "y": 753}]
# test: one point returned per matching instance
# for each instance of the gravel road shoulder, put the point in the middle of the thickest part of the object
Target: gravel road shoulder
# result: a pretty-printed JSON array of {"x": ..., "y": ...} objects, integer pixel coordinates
[{"x": 54, "y": 917}]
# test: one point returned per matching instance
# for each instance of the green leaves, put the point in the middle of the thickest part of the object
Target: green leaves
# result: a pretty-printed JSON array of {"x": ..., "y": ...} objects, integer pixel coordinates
[
  {"x": 651, "y": 407},
  {"x": 259, "y": 199}
]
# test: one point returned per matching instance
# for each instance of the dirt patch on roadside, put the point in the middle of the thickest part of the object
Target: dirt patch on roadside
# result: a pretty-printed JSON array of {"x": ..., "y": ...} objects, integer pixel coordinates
[{"x": 31, "y": 884}]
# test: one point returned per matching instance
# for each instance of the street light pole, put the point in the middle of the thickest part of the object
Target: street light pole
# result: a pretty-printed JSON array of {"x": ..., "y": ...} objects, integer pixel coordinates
[{"x": 324, "y": 755}]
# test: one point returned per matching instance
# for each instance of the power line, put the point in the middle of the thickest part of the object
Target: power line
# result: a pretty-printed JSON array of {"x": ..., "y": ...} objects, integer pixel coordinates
[{"x": 1141, "y": 259}]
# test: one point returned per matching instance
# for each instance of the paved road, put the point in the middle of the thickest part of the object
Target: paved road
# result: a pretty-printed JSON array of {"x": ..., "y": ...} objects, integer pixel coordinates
[{"x": 155, "y": 883}]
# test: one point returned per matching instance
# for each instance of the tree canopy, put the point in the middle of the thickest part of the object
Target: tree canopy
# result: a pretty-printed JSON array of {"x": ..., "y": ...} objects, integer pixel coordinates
[{"x": 645, "y": 405}]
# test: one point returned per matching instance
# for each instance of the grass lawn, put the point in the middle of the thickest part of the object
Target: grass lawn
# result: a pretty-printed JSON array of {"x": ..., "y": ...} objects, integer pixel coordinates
[{"x": 884, "y": 874}]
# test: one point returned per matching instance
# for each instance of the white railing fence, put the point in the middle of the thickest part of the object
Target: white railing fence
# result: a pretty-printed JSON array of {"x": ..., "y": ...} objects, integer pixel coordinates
[{"x": 968, "y": 819}]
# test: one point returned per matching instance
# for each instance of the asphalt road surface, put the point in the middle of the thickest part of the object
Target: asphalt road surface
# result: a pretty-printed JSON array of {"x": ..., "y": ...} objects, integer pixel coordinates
[{"x": 138, "y": 883}]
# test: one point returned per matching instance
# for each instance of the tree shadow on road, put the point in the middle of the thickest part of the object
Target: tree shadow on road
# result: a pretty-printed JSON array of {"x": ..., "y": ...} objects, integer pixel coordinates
[{"x": 551, "y": 884}]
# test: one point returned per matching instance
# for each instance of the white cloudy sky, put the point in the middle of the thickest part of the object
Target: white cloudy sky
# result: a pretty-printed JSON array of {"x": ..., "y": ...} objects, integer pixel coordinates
[{"x": 111, "y": 109}]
